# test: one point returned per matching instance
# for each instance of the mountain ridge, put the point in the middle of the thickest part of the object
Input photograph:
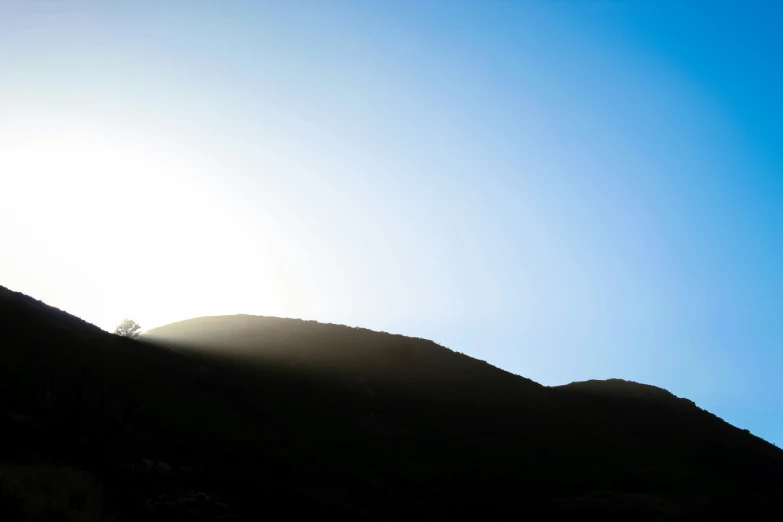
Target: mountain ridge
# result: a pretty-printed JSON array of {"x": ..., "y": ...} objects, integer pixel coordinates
[{"x": 321, "y": 419}]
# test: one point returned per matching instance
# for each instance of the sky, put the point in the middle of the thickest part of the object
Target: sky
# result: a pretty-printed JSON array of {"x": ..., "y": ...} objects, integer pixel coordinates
[{"x": 568, "y": 189}]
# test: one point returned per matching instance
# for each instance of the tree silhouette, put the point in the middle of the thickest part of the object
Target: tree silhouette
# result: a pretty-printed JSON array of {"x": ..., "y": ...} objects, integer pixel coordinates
[{"x": 128, "y": 328}]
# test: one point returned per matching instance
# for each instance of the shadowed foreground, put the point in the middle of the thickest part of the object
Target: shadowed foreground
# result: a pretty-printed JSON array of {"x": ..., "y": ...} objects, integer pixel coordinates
[{"x": 244, "y": 417}]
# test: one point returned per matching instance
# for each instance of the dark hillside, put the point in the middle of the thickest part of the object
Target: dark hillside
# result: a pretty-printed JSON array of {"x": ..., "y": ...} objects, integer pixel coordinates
[
  {"x": 416, "y": 367},
  {"x": 239, "y": 417}
]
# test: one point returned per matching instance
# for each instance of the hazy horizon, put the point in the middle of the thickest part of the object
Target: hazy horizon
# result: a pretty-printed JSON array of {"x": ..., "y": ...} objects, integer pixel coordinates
[{"x": 568, "y": 190}]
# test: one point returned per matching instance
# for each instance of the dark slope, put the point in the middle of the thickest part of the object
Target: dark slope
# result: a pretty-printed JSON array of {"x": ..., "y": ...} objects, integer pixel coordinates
[
  {"x": 146, "y": 420},
  {"x": 295, "y": 417},
  {"x": 622, "y": 388},
  {"x": 620, "y": 434},
  {"x": 418, "y": 368}
]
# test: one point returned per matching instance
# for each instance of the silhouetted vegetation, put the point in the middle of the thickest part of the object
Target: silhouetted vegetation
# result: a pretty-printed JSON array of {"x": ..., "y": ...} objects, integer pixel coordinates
[
  {"x": 46, "y": 492},
  {"x": 245, "y": 418},
  {"x": 128, "y": 328}
]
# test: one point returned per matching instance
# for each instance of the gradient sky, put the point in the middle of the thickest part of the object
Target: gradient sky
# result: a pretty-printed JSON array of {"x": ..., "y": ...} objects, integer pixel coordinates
[{"x": 566, "y": 189}]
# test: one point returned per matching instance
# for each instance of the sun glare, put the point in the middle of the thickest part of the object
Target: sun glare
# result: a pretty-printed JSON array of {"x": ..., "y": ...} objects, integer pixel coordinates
[{"x": 99, "y": 223}]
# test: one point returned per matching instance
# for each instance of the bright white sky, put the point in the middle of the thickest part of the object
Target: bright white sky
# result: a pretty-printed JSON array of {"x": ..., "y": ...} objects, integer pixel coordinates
[
  {"x": 105, "y": 222},
  {"x": 597, "y": 195}
]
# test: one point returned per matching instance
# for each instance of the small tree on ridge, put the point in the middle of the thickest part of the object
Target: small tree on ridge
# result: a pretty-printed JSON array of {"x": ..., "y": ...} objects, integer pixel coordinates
[{"x": 128, "y": 328}]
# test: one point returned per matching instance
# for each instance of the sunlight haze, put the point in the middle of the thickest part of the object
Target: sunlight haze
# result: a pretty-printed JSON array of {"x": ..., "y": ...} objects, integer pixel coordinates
[{"x": 568, "y": 190}]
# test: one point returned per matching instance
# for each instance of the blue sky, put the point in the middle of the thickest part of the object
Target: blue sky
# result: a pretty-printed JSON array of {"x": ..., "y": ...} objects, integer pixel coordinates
[{"x": 568, "y": 190}]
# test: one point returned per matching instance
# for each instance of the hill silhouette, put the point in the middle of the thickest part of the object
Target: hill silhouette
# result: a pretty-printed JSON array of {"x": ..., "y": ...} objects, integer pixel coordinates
[{"x": 244, "y": 417}]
